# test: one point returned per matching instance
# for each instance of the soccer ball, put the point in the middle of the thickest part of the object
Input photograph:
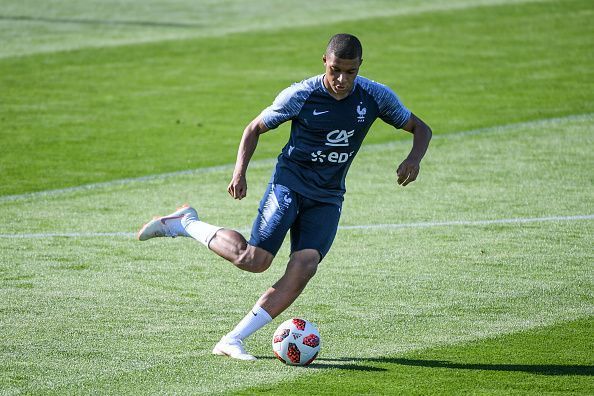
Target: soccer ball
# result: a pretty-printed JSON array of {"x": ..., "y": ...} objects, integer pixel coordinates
[{"x": 296, "y": 342}]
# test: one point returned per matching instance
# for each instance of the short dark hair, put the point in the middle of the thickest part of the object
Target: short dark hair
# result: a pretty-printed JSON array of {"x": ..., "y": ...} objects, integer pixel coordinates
[{"x": 345, "y": 46}]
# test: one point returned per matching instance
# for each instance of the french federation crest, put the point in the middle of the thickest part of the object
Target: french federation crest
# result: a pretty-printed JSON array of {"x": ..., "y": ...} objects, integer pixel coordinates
[{"x": 361, "y": 111}]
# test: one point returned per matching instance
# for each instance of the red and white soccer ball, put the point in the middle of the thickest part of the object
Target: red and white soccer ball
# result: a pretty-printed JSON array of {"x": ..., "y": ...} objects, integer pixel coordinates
[{"x": 296, "y": 342}]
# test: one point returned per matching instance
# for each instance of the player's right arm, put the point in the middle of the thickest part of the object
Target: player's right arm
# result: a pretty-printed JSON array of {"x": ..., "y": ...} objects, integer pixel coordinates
[
  {"x": 249, "y": 140},
  {"x": 286, "y": 105}
]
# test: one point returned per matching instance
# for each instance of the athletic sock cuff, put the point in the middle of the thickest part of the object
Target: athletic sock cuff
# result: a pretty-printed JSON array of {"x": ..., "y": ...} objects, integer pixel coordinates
[
  {"x": 211, "y": 234},
  {"x": 201, "y": 231},
  {"x": 258, "y": 310},
  {"x": 253, "y": 321}
]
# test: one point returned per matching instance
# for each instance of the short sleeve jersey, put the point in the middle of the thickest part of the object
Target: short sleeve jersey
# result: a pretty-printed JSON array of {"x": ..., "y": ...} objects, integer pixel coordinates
[{"x": 326, "y": 133}]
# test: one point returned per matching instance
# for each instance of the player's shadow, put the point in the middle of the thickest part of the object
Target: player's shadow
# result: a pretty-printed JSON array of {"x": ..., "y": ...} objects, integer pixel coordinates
[
  {"x": 541, "y": 369},
  {"x": 359, "y": 364}
]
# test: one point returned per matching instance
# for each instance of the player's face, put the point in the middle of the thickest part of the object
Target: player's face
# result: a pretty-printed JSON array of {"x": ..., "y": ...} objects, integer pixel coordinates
[{"x": 340, "y": 74}]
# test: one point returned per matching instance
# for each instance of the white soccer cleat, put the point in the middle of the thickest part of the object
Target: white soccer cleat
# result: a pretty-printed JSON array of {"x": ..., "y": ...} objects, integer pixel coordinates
[
  {"x": 232, "y": 348},
  {"x": 168, "y": 226}
]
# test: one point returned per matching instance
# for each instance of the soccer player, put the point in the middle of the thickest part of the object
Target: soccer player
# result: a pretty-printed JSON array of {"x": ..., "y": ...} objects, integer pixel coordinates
[{"x": 330, "y": 115}]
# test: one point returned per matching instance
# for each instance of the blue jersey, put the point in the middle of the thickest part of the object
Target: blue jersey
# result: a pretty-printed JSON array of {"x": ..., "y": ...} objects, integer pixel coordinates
[{"x": 326, "y": 133}]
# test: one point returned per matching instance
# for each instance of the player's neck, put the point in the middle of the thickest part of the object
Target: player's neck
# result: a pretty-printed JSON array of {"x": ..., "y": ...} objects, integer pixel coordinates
[{"x": 335, "y": 95}]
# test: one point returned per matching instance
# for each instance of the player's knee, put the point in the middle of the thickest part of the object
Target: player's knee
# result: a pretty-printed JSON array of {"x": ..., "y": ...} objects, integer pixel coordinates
[{"x": 305, "y": 267}]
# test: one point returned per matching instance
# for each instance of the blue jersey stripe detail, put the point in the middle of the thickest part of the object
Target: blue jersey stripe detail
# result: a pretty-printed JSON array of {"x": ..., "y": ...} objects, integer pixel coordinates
[
  {"x": 289, "y": 102},
  {"x": 391, "y": 109}
]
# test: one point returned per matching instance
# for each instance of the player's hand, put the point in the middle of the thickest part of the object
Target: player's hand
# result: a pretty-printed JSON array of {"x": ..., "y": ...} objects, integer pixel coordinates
[
  {"x": 238, "y": 186},
  {"x": 408, "y": 171}
]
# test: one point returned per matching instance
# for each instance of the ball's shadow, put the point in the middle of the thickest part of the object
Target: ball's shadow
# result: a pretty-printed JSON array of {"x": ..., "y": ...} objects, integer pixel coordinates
[{"x": 340, "y": 364}]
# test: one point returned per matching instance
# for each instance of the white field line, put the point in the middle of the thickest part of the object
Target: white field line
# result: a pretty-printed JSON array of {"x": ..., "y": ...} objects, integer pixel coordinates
[
  {"x": 342, "y": 228},
  {"x": 269, "y": 162}
]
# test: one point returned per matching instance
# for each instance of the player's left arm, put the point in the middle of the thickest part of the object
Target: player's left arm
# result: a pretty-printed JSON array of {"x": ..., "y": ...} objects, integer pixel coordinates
[{"x": 408, "y": 170}]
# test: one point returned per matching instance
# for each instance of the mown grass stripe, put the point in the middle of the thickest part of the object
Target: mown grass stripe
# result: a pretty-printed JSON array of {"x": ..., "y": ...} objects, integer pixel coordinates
[
  {"x": 189, "y": 29},
  {"x": 345, "y": 228},
  {"x": 470, "y": 222},
  {"x": 268, "y": 162}
]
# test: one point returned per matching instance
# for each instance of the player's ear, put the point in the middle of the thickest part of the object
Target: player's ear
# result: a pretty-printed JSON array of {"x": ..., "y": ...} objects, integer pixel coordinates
[{"x": 324, "y": 58}]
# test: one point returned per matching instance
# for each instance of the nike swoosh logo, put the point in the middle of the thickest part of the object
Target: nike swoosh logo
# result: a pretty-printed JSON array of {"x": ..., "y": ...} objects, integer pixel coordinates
[
  {"x": 255, "y": 314},
  {"x": 315, "y": 112}
]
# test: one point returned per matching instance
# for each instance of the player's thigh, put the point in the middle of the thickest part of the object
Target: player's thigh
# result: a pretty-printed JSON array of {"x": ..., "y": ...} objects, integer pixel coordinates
[
  {"x": 315, "y": 227},
  {"x": 276, "y": 214}
]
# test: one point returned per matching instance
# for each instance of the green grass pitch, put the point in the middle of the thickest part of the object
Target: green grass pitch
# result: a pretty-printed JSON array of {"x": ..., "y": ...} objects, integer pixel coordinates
[{"x": 476, "y": 279}]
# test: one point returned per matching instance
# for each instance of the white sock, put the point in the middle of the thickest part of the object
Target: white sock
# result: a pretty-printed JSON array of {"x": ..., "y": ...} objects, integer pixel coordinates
[
  {"x": 254, "y": 320},
  {"x": 200, "y": 231}
]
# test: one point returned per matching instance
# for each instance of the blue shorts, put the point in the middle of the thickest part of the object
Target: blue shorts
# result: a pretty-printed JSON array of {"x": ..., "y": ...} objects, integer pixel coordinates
[{"x": 313, "y": 224}]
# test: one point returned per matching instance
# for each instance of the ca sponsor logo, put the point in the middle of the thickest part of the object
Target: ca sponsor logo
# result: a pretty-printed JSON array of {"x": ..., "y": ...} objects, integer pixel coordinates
[{"x": 339, "y": 138}]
